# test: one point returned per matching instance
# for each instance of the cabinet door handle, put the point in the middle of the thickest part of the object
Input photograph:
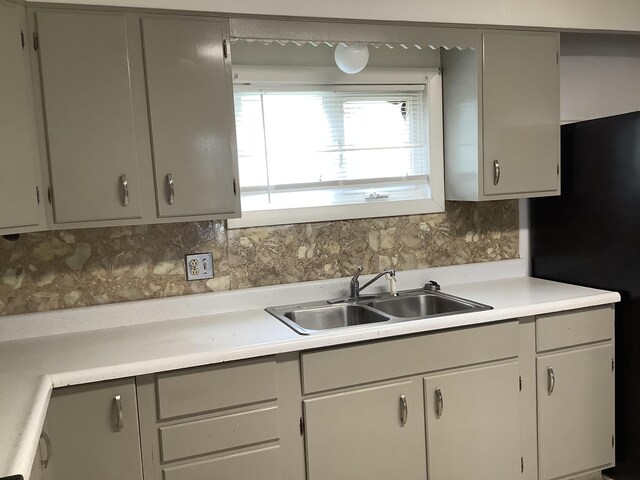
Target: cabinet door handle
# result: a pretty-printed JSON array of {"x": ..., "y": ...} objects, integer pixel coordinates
[
  {"x": 117, "y": 400},
  {"x": 551, "y": 380},
  {"x": 45, "y": 461},
  {"x": 125, "y": 190},
  {"x": 172, "y": 192},
  {"x": 404, "y": 410},
  {"x": 496, "y": 172},
  {"x": 439, "y": 403}
]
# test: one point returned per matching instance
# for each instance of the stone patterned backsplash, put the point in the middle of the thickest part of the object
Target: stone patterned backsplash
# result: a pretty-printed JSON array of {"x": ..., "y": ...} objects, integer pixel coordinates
[{"x": 72, "y": 268}]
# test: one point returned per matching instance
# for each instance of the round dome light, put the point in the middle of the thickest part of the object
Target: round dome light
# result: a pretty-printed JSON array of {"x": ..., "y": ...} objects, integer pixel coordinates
[{"x": 351, "y": 58}]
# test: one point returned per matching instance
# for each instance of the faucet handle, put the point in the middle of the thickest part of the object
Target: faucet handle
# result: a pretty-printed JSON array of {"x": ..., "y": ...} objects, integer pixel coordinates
[
  {"x": 359, "y": 269},
  {"x": 432, "y": 286}
]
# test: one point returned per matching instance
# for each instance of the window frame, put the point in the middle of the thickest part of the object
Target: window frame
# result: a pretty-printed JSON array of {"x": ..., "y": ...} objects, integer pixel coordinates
[{"x": 431, "y": 78}]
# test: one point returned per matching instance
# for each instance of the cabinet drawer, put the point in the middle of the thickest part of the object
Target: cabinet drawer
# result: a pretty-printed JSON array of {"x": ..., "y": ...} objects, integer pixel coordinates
[
  {"x": 577, "y": 327},
  {"x": 220, "y": 433},
  {"x": 370, "y": 362},
  {"x": 257, "y": 465},
  {"x": 215, "y": 387}
]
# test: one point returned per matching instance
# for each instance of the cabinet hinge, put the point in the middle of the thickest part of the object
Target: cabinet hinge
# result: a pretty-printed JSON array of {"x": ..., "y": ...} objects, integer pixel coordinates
[
  {"x": 235, "y": 188},
  {"x": 36, "y": 43},
  {"x": 520, "y": 383},
  {"x": 50, "y": 195},
  {"x": 225, "y": 52},
  {"x": 521, "y": 464},
  {"x": 557, "y": 58},
  {"x": 558, "y": 169},
  {"x": 22, "y": 38},
  {"x": 613, "y": 441},
  {"x": 38, "y": 194},
  {"x": 301, "y": 426},
  {"x": 613, "y": 365}
]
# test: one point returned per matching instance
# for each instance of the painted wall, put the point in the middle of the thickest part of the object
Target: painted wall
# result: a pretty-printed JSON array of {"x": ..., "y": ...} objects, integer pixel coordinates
[
  {"x": 598, "y": 75},
  {"x": 582, "y": 14}
]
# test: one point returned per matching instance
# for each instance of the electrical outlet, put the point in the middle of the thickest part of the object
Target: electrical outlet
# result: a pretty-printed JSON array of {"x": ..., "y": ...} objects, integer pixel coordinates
[{"x": 199, "y": 266}]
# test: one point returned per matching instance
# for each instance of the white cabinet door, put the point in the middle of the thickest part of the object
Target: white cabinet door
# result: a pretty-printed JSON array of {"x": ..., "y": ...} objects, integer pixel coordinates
[
  {"x": 191, "y": 113},
  {"x": 473, "y": 424},
  {"x": 575, "y": 411},
  {"x": 90, "y": 97},
  {"x": 363, "y": 435},
  {"x": 93, "y": 431},
  {"x": 21, "y": 196},
  {"x": 502, "y": 117},
  {"x": 521, "y": 113}
]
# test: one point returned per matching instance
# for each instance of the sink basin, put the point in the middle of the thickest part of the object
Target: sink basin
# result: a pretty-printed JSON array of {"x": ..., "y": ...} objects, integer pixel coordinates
[
  {"x": 408, "y": 305},
  {"x": 420, "y": 306},
  {"x": 332, "y": 316}
]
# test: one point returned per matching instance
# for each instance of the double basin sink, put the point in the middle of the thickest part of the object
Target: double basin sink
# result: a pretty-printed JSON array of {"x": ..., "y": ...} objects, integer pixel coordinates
[{"x": 372, "y": 309}]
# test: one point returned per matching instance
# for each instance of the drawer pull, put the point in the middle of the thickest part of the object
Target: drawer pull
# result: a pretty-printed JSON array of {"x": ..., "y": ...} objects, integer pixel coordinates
[
  {"x": 404, "y": 410},
  {"x": 44, "y": 461},
  {"x": 439, "y": 403},
  {"x": 125, "y": 190},
  {"x": 172, "y": 192},
  {"x": 551, "y": 380},
  {"x": 117, "y": 400}
]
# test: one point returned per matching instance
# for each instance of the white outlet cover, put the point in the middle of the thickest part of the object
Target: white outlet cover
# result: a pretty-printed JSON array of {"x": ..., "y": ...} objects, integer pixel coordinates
[{"x": 199, "y": 266}]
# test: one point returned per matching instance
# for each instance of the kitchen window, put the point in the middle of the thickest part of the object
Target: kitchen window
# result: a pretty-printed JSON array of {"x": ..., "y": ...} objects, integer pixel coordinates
[{"x": 315, "y": 144}]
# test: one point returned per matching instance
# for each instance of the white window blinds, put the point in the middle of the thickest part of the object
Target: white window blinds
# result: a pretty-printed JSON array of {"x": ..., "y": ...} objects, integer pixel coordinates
[{"x": 309, "y": 145}]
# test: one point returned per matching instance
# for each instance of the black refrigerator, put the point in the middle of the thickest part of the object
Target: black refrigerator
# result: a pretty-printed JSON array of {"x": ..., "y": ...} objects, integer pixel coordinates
[{"x": 590, "y": 236}]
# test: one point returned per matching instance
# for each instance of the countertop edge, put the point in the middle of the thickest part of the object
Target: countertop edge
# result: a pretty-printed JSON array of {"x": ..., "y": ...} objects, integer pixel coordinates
[{"x": 21, "y": 459}]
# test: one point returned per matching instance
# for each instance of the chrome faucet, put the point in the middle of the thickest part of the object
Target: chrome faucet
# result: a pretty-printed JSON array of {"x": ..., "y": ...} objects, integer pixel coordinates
[{"x": 355, "y": 288}]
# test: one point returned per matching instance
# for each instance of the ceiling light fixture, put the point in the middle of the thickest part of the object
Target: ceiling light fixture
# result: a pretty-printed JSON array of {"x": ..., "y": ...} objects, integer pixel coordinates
[{"x": 352, "y": 58}]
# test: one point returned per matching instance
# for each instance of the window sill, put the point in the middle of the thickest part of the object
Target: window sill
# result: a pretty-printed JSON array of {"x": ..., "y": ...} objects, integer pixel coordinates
[{"x": 374, "y": 209}]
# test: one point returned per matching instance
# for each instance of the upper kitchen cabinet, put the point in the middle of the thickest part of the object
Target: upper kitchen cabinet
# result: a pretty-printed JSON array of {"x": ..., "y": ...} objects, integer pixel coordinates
[
  {"x": 502, "y": 117},
  {"x": 21, "y": 200},
  {"x": 128, "y": 98},
  {"x": 95, "y": 125},
  {"x": 189, "y": 84}
]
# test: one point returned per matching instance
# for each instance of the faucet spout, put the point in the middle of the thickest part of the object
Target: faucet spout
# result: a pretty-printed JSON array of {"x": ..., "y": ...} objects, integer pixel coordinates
[
  {"x": 355, "y": 288},
  {"x": 390, "y": 272}
]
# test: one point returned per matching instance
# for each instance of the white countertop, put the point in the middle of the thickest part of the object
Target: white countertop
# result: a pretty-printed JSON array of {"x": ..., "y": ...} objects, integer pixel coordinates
[{"x": 31, "y": 367}]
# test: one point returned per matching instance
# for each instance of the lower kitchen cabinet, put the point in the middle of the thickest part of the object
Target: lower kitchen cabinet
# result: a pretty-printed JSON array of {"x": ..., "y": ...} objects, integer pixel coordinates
[
  {"x": 368, "y": 406},
  {"x": 575, "y": 411},
  {"x": 374, "y": 433},
  {"x": 455, "y": 404},
  {"x": 91, "y": 432},
  {"x": 575, "y": 392},
  {"x": 473, "y": 423},
  {"x": 231, "y": 421}
]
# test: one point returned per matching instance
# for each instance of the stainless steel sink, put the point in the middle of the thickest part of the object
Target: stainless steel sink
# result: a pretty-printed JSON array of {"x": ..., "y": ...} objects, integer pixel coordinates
[
  {"x": 334, "y": 316},
  {"x": 407, "y": 305},
  {"x": 421, "y": 306}
]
